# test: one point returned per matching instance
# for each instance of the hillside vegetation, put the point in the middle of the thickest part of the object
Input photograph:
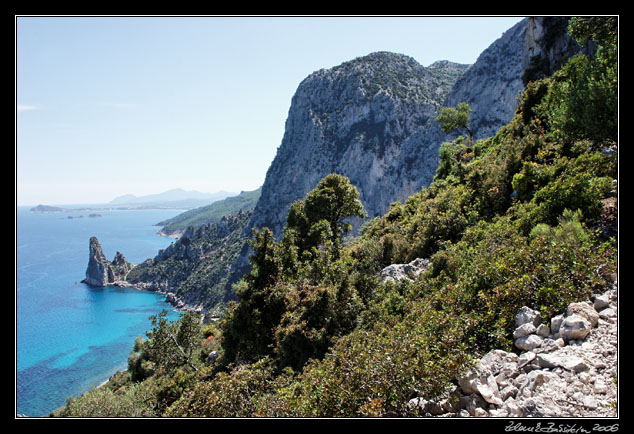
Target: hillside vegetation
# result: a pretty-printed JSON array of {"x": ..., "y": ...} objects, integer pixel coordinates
[
  {"x": 211, "y": 213},
  {"x": 195, "y": 268},
  {"x": 517, "y": 219}
]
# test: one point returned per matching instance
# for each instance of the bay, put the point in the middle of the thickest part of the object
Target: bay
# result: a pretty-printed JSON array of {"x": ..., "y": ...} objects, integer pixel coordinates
[{"x": 71, "y": 337}]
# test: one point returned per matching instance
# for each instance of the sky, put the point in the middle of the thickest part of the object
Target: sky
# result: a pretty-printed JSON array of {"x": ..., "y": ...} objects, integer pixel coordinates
[{"x": 107, "y": 106}]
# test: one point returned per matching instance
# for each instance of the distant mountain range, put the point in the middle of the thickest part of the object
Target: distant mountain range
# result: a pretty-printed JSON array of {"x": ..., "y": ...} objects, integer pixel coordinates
[
  {"x": 176, "y": 199},
  {"x": 188, "y": 199}
]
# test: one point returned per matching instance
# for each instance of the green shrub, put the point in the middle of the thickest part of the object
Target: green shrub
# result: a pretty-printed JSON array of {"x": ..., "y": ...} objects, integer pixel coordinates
[
  {"x": 495, "y": 271},
  {"x": 136, "y": 401},
  {"x": 376, "y": 373},
  {"x": 233, "y": 394}
]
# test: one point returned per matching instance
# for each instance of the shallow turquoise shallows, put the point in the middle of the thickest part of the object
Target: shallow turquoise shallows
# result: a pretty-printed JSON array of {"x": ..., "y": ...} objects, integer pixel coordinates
[{"x": 71, "y": 337}]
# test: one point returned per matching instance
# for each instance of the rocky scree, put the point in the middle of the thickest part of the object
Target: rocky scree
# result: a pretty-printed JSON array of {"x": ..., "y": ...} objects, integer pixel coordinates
[{"x": 566, "y": 370}]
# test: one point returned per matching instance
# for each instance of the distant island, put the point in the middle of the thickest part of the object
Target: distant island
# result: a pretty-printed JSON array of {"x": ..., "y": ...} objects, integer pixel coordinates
[
  {"x": 81, "y": 216},
  {"x": 51, "y": 209},
  {"x": 47, "y": 208}
]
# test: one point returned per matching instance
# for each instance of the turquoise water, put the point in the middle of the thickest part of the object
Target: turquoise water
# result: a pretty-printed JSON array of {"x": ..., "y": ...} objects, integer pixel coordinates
[{"x": 69, "y": 336}]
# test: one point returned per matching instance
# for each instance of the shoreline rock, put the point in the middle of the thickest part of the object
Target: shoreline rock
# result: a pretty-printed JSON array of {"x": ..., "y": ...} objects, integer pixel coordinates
[
  {"x": 101, "y": 272},
  {"x": 175, "y": 234}
]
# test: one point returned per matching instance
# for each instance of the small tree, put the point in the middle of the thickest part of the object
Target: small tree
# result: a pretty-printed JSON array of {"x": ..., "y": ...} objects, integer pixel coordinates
[
  {"x": 451, "y": 119},
  {"x": 333, "y": 200},
  {"x": 264, "y": 264},
  {"x": 172, "y": 344}
]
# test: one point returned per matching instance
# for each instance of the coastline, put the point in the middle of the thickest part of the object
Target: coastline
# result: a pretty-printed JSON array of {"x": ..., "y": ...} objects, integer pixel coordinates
[
  {"x": 51, "y": 282},
  {"x": 175, "y": 234},
  {"x": 172, "y": 299}
]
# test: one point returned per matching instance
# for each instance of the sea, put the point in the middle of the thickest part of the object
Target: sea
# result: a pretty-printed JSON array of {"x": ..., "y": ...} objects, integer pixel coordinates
[{"x": 70, "y": 337}]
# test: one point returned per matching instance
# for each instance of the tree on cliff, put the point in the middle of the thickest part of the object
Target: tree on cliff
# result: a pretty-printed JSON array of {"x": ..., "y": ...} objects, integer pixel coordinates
[
  {"x": 325, "y": 209},
  {"x": 583, "y": 101},
  {"x": 451, "y": 119}
]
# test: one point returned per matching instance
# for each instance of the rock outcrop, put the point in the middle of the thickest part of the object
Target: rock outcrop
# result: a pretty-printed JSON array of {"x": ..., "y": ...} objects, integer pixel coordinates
[
  {"x": 372, "y": 119},
  {"x": 492, "y": 84},
  {"x": 100, "y": 271},
  {"x": 566, "y": 370},
  {"x": 547, "y": 46},
  {"x": 365, "y": 119},
  {"x": 398, "y": 272}
]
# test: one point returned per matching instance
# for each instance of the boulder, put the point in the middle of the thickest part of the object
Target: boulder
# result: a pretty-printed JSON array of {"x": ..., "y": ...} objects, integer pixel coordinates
[
  {"x": 397, "y": 272},
  {"x": 575, "y": 327},
  {"x": 548, "y": 361},
  {"x": 524, "y": 330},
  {"x": 575, "y": 364},
  {"x": 601, "y": 302},
  {"x": 555, "y": 323},
  {"x": 467, "y": 383},
  {"x": 489, "y": 391},
  {"x": 585, "y": 310},
  {"x": 525, "y": 359},
  {"x": 607, "y": 313},
  {"x": 529, "y": 342},
  {"x": 565, "y": 361},
  {"x": 543, "y": 330},
  {"x": 526, "y": 315}
]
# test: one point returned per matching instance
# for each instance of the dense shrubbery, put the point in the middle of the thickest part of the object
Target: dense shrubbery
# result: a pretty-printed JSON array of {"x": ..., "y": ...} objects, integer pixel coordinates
[
  {"x": 298, "y": 295},
  {"x": 508, "y": 221}
]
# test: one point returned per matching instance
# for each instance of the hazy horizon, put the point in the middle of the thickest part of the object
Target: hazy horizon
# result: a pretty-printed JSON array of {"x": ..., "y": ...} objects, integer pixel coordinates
[
  {"x": 114, "y": 199},
  {"x": 109, "y": 106}
]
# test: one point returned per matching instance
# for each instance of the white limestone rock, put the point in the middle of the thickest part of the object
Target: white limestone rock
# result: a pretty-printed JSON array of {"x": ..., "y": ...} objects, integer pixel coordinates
[{"x": 575, "y": 327}]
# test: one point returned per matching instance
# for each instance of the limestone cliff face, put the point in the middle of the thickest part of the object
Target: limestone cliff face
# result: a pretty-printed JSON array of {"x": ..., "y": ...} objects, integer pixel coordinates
[
  {"x": 365, "y": 119},
  {"x": 373, "y": 120},
  {"x": 534, "y": 48},
  {"x": 547, "y": 45},
  {"x": 100, "y": 271},
  {"x": 492, "y": 84}
]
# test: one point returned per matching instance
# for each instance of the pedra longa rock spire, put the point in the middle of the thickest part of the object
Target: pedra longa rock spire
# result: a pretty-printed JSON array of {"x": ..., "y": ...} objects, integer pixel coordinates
[{"x": 100, "y": 271}]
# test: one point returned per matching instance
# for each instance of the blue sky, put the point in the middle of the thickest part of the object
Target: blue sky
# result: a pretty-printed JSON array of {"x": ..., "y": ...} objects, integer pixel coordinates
[{"x": 108, "y": 106}]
